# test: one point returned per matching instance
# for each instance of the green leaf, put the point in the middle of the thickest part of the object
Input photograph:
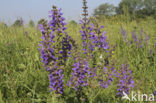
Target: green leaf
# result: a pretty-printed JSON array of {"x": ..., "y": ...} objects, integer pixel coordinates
[
  {"x": 21, "y": 66},
  {"x": 1, "y": 96},
  {"x": 36, "y": 57}
]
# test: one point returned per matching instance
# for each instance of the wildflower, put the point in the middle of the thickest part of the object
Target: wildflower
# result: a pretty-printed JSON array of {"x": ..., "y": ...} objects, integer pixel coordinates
[
  {"x": 63, "y": 44},
  {"x": 8, "y": 43},
  {"x": 57, "y": 21},
  {"x": 79, "y": 75},
  {"x": 139, "y": 40},
  {"x": 66, "y": 47},
  {"x": 135, "y": 37},
  {"x": 102, "y": 43},
  {"x": 125, "y": 80},
  {"x": 54, "y": 54},
  {"x": 47, "y": 53},
  {"x": 123, "y": 31},
  {"x": 104, "y": 83},
  {"x": 100, "y": 56},
  {"x": 90, "y": 39},
  {"x": 26, "y": 34},
  {"x": 56, "y": 80},
  {"x": 154, "y": 93}
]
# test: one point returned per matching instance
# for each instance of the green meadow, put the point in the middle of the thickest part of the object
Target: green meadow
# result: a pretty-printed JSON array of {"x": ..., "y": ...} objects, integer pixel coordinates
[{"x": 23, "y": 79}]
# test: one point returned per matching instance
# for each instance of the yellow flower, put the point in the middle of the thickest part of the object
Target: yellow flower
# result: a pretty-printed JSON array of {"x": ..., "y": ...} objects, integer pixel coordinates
[{"x": 113, "y": 56}]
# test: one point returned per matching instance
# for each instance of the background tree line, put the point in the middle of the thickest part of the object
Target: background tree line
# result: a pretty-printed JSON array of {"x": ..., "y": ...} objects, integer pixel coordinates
[
  {"x": 130, "y": 8},
  {"x": 135, "y": 8}
]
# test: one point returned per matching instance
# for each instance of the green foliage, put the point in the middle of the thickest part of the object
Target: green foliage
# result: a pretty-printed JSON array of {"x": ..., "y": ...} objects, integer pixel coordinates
[
  {"x": 131, "y": 5},
  {"x": 2, "y": 24},
  {"x": 138, "y": 8},
  {"x": 72, "y": 22},
  {"x": 31, "y": 23},
  {"x": 1, "y": 98},
  {"x": 149, "y": 7},
  {"x": 131, "y": 9},
  {"x": 104, "y": 9}
]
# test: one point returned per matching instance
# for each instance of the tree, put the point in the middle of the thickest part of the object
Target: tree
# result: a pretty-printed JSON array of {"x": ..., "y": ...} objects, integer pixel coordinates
[
  {"x": 104, "y": 9},
  {"x": 2, "y": 24},
  {"x": 131, "y": 5},
  {"x": 18, "y": 22},
  {"x": 149, "y": 7},
  {"x": 31, "y": 23},
  {"x": 73, "y": 22},
  {"x": 140, "y": 8}
]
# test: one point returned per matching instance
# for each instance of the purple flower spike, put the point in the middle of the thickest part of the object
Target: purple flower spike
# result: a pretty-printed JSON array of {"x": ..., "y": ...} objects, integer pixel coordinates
[
  {"x": 55, "y": 49},
  {"x": 79, "y": 75},
  {"x": 56, "y": 80},
  {"x": 124, "y": 33},
  {"x": 26, "y": 34},
  {"x": 125, "y": 80},
  {"x": 108, "y": 77}
]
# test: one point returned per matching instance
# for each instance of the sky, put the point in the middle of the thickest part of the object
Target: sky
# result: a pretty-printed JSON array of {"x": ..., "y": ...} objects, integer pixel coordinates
[{"x": 11, "y": 10}]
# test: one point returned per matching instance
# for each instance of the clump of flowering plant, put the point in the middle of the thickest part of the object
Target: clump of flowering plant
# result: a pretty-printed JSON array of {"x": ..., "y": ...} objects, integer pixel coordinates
[
  {"x": 124, "y": 34},
  {"x": 139, "y": 40},
  {"x": 93, "y": 38},
  {"x": 126, "y": 81},
  {"x": 55, "y": 54},
  {"x": 88, "y": 67},
  {"x": 79, "y": 76},
  {"x": 108, "y": 77}
]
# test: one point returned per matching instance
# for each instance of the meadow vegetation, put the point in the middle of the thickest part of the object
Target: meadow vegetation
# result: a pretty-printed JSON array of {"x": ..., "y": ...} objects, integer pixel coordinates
[{"x": 24, "y": 79}]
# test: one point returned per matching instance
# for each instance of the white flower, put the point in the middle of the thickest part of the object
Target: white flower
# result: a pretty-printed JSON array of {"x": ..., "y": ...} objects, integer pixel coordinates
[{"x": 101, "y": 56}]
